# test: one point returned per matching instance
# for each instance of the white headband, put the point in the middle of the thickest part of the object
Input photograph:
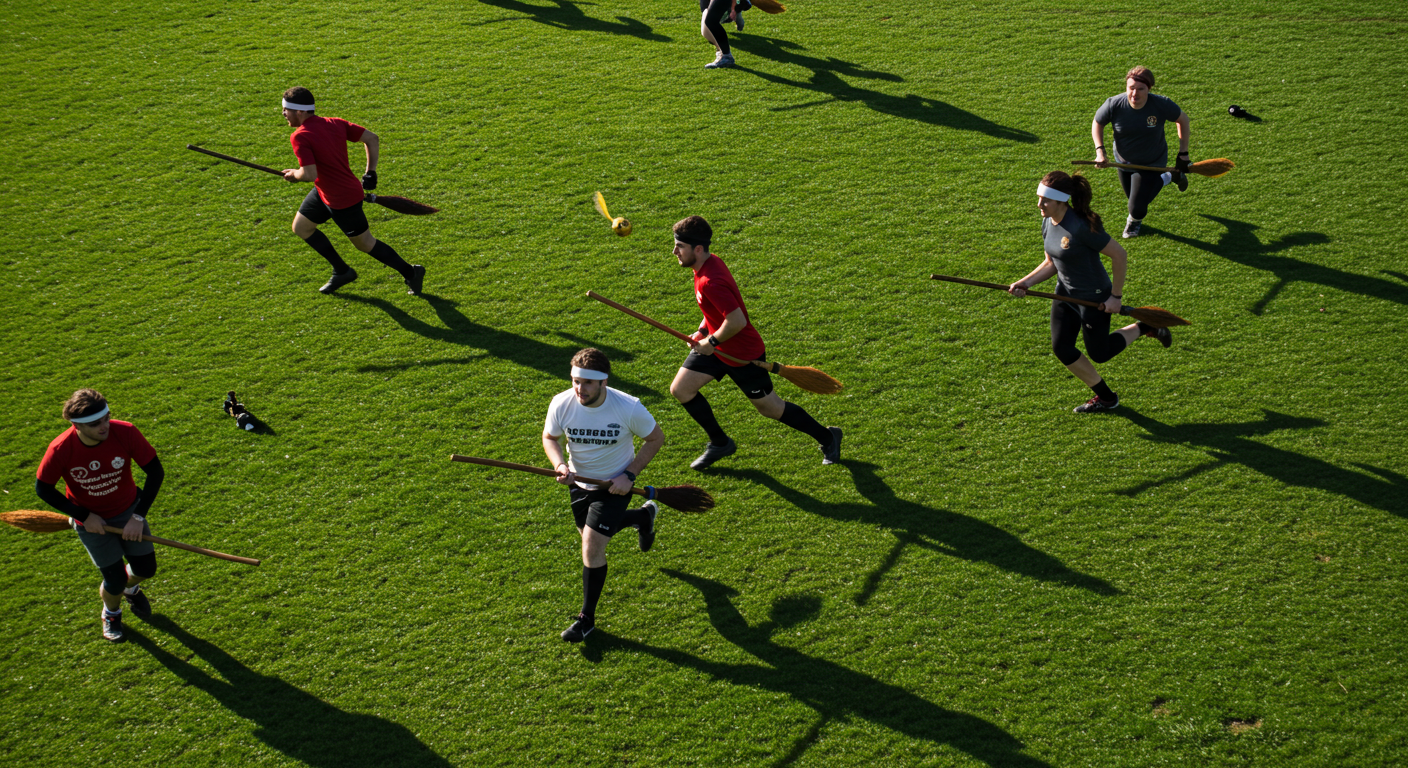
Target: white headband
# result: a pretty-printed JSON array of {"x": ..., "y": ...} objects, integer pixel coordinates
[
  {"x": 300, "y": 107},
  {"x": 90, "y": 418},
  {"x": 1052, "y": 194},
  {"x": 587, "y": 373}
]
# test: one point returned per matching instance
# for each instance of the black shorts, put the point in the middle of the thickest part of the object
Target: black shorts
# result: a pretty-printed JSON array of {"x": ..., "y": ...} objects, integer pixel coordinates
[
  {"x": 755, "y": 381},
  {"x": 599, "y": 510},
  {"x": 352, "y": 221}
]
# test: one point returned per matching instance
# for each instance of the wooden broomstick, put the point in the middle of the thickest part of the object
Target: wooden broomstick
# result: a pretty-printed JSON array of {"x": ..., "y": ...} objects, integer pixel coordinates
[
  {"x": 685, "y": 498},
  {"x": 398, "y": 204},
  {"x": 1155, "y": 316},
  {"x": 39, "y": 521},
  {"x": 1218, "y": 166},
  {"x": 769, "y": 6},
  {"x": 810, "y": 379}
]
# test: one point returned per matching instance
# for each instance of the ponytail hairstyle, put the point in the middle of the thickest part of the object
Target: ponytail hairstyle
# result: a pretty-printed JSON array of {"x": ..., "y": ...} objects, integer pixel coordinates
[{"x": 1078, "y": 187}]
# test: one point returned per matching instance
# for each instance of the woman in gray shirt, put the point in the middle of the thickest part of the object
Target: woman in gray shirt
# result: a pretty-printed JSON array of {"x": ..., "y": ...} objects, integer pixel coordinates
[{"x": 1139, "y": 118}]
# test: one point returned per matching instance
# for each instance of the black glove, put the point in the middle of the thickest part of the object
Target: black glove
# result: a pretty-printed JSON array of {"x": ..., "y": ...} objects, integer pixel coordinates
[
  {"x": 1181, "y": 164},
  {"x": 369, "y": 180}
]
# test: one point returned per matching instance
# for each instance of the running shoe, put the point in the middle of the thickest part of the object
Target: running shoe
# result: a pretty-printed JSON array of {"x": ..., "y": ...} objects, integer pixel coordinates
[
  {"x": 647, "y": 529},
  {"x": 831, "y": 454},
  {"x": 417, "y": 280},
  {"x": 338, "y": 280},
  {"x": 141, "y": 606},
  {"x": 112, "y": 627},
  {"x": 582, "y": 626},
  {"x": 713, "y": 453},
  {"x": 1096, "y": 405}
]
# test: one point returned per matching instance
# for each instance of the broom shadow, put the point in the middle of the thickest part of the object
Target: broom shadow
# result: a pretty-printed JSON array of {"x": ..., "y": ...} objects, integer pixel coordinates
[
  {"x": 287, "y": 718},
  {"x": 459, "y": 330},
  {"x": 915, "y": 525},
  {"x": 1230, "y": 444},
  {"x": 826, "y": 81},
  {"x": 834, "y": 692},
  {"x": 1241, "y": 245},
  {"x": 569, "y": 16}
]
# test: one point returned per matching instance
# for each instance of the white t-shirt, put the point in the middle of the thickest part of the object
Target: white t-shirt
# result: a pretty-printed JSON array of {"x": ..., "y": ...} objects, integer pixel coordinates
[{"x": 599, "y": 443}]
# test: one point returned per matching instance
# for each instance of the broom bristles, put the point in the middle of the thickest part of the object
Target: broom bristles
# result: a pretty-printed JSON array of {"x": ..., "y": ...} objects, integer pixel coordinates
[
  {"x": 1218, "y": 166},
  {"x": 685, "y": 498},
  {"x": 769, "y": 6},
  {"x": 403, "y": 205},
  {"x": 1157, "y": 317},
  {"x": 37, "y": 521},
  {"x": 810, "y": 379}
]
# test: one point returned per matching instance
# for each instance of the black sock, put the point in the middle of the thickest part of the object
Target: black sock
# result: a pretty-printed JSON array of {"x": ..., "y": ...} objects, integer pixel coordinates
[
  {"x": 320, "y": 243},
  {"x": 702, "y": 413},
  {"x": 593, "y": 579},
  {"x": 1103, "y": 391},
  {"x": 796, "y": 417},
  {"x": 388, "y": 256}
]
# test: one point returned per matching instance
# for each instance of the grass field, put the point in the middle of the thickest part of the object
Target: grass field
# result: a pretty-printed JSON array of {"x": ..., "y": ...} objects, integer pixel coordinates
[{"x": 1212, "y": 576}]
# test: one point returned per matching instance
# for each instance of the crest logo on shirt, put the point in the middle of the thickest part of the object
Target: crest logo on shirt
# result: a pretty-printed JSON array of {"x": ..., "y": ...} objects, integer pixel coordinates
[
  {"x": 613, "y": 425},
  {"x": 79, "y": 473},
  {"x": 94, "y": 465},
  {"x": 117, "y": 462},
  {"x": 1153, "y": 121},
  {"x": 1065, "y": 242}
]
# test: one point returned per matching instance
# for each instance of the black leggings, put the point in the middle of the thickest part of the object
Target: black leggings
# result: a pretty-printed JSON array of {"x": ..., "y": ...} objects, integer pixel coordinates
[
  {"x": 1071, "y": 320},
  {"x": 713, "y": 10},
  {"x": 1141, "y": 187}
]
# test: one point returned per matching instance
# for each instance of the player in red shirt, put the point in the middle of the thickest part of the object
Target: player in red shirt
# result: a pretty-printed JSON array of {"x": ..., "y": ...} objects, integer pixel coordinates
[
  {"x": 94, "y": 458},
  {"x": 320, "y": 144},
  {"x": 727, "y": 328}
]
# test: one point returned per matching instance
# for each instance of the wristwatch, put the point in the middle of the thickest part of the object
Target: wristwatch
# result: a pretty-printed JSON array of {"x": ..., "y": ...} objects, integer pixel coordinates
[
  {"x": 629, "y": 475},
  {"x": 713, "y": 342},
  {"x": 139, "y": 518}
]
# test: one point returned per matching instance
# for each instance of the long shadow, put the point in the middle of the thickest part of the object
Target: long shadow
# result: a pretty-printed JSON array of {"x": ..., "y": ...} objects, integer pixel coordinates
[
  {"x": 459, "y": 330},
  {"x": 564, "y": 14},
  {"x": 289, "y": 719},
  {"x": 1240, "y": 244},
  {"x": 1231, "y": 444},
  {"x": 915, "y": 525},
  {"x": 826, "y": 81},
  {"x": 833, "y": 691}
]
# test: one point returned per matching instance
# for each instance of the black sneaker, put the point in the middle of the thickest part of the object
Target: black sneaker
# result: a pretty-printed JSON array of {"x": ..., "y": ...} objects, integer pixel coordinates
[
  {"x": 713, "y": 453},
  {"x": 112, "y": 628},
  {"x": 1131, "y": 228},
  {"x": 1164, "y": 336},
  {"x": 338, "y": 280},
  {"x": 141, "y": 606},
  {"x": 417, "y": 280},
  {"x": 647, "y": 530},
  {"x": 1181, "y": 179},
  {"x": 832, "y": 454},
  {"x": 1096, "y": 405},
  {"x": 581, "y": 627}
]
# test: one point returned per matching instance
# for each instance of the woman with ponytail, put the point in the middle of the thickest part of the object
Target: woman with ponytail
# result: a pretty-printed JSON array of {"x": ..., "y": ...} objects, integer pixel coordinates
[{"x": 1074, "y": 237}]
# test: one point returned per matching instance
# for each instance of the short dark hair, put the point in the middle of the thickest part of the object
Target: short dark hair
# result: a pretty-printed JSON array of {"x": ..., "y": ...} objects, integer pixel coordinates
[
  {"x": 84, "y": 402},
  {"x": 1142, "y": 74},
  {"x": 299, "y": 95},
  {"x": 694, "y": 230},
  {"x": 592, "y": 359}
]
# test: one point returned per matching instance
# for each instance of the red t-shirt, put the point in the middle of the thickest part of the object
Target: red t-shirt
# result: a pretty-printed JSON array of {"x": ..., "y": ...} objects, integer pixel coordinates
[
  {"x": 322, "y": 141},
  {"x": 98, "y": 478},
  {"x": 718, "y": 295}
]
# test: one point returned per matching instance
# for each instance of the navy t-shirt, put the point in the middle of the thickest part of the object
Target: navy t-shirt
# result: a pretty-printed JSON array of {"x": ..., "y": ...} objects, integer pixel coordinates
[
  {"x": 1139, "y": 133},
  {"x": 1075, "y": 250}
]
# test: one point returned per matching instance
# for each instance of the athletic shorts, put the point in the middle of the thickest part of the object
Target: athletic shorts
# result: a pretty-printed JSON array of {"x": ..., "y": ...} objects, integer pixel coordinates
[
  {"x": 599, "y": 510},
  {"x": 755, "y": 382},
  {"x": 109, "y": 548},
  {"x": 352, "y": 221}
]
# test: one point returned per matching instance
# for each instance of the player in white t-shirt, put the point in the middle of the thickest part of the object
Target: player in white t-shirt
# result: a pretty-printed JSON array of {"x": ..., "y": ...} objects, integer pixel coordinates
[{"x": 599, "y": 424}]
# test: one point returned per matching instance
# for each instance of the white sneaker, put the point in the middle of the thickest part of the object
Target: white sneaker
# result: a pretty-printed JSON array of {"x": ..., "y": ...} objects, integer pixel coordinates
[{"x": 724, "y": 60}]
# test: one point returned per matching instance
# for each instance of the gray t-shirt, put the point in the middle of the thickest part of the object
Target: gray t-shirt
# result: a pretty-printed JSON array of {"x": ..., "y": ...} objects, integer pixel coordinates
[
  {"x": 1075, "y": 250},
  {"x": 1139, "y": 133}
]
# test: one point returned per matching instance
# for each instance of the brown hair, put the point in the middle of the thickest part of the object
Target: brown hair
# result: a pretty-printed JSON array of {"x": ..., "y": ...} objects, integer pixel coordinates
[
  {"x": 694, "y": 230},
  {"x": 1078, "y": 187},
  {"x": 84, "y": 402},
  {"x": 592, "y": 359},
  {"x": 299, "y": 95},
  {"x": 1142, "y": 74}
]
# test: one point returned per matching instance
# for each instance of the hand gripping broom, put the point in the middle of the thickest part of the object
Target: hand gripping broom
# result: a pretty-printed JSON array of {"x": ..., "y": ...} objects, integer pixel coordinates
[
  {"x": 39, "y": 521},
  {"x": 810, "y": 379},
  {"x": 1155, "y": 316},
  {"x": 1218, "y": 166},
  {"x": 685, "y": 498},
  {"x": 398, "y": 204}
]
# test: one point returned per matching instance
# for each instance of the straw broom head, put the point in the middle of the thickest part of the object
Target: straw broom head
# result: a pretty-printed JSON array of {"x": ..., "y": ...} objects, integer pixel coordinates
[
  {"x": 402, "y": 204},
  {"x": 1155, "y": 316},
  {"x": 1218, "y": 166},
  {"x": 37, "y": 521},
  {"x": 769, "y": 6},
  {"x": 685, "y": 498},
  {"x": 810, "y": 379}
]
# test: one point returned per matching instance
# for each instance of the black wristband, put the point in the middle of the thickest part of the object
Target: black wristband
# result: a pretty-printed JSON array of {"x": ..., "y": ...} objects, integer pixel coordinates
[
  {"x": 629, "y": 475},
  {"x": 1100, "y": 148},
  {"x": 1116, "y": 296},
  {"x": 713, "y": 342}
]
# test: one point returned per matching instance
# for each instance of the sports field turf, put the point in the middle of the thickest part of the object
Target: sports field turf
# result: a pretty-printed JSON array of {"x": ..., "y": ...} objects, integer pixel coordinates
[{"x": 1212, "y": 576}]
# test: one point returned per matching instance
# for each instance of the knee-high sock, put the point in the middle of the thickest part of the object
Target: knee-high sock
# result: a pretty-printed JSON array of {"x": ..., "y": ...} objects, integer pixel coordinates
[
  {"x": 320, "y": 243},
  {"x": 388, "y": 256},
  {"x": 699, "y": 409},
  {"x": 795, "y": 417},
  {"x": 593, "y": 579}
]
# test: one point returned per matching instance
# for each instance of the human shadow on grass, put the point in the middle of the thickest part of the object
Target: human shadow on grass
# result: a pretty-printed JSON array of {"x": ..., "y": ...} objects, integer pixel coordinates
[
  {"x": 915, "y": 525},
  {"x": 1231, "y": 443},
  {"x": 834, "y": 692},
  {"x": 522, "y": 350},
  {"x": 300, "y": 725},
  {"x": 567, "y": 15},
  {"x": 826, "y": 81},
  {"x": 1240, "y": 244}
]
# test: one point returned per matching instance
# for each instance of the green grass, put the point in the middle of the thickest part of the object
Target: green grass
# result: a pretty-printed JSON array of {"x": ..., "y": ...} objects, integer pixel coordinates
[{"x": 987, "y": 580}]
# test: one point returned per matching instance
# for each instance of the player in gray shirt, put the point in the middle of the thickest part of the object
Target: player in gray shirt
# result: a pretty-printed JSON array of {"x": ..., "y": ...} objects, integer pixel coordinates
[{"x": 1139, "y": 118}]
